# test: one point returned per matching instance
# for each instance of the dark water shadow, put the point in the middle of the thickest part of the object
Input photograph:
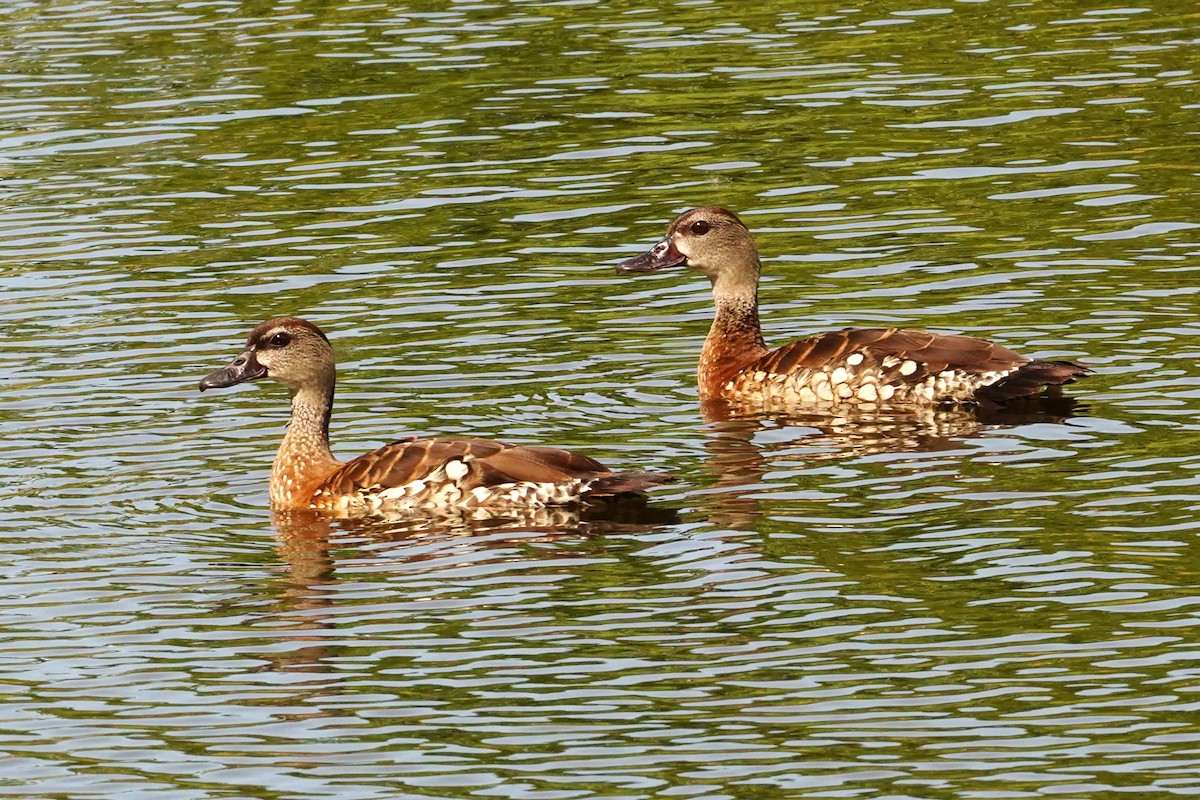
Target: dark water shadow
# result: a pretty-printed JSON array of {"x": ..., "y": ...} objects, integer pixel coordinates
[{"x": 744, "y": 444}]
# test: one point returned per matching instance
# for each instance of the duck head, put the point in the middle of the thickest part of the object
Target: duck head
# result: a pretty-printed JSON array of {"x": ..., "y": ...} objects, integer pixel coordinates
[
  {"x": 710, "y": 240},
  {"x": 287, "y": 350}
]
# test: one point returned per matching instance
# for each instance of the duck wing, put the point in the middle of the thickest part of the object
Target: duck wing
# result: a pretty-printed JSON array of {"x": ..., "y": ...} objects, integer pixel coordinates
[
  {"x": 479, "y": 468},
  {"x": 955, "y": 367}
]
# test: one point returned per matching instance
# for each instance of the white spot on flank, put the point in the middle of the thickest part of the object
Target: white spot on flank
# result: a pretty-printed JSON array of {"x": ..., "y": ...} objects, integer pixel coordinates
[
  {"x": 867, "y": 392},
  {"x": 839, "y": 375},
  {"x": 908, "y": 368},
  {"x": 854, "y": 359},
  {"x": 455, "y": 470}
]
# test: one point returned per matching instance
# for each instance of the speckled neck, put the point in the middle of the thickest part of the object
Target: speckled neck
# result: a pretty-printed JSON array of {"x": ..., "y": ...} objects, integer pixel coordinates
[
  {"x": 304, "y": 459},
  {"x": 734, "y": 340}
]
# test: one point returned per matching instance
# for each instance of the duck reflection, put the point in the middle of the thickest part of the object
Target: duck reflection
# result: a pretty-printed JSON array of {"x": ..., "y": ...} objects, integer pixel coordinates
[
  {"x": 300, "y": 531},
  {"x": 745, "y": 442},
  {"x": 314, "y": 545}
]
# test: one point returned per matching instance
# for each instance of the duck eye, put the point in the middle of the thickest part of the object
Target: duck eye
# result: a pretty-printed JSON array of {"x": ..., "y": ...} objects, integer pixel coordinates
[
  {"x": 700, "y": 227},
  {"x": 280, "y": 340}
]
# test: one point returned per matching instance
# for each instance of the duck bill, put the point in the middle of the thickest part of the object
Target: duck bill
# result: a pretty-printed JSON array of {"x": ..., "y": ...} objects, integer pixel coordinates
[
  {"x": 662, "y": 256},
  {"x": 243, "y": 368}
]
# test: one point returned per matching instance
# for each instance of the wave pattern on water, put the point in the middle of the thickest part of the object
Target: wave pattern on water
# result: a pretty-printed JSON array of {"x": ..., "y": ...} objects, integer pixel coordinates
[{"x": 888, "y": 607}]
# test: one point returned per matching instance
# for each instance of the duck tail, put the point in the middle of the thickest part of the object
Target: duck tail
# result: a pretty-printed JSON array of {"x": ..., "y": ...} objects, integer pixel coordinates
[
  {"x": 1030, "y": 378},
  {"x": 627, "y": 483}
]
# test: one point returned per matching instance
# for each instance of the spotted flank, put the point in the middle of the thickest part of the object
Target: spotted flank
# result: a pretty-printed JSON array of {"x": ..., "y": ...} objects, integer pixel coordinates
[
  {"x": 447, "y": 495},
  {"x": 868, "y": 368},
  {"x": 472, "y": 473},
  {"x": 865, "y": 390},
  {"x": 448, "y": 487}
]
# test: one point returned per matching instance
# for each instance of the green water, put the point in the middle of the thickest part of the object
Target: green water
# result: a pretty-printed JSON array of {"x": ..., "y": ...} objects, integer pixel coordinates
[{"x": 824, "y": 609}]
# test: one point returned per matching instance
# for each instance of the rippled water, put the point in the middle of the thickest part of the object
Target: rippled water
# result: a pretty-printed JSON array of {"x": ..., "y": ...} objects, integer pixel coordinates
[{"x": 957, "y": 608}]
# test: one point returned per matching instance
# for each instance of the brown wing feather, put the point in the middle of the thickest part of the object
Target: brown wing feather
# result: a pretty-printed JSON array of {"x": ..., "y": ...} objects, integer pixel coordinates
[
  {"x": 931, "y": 352},
  {"x": 405, "y": 461},
  {"x": 490, "y": 463}
]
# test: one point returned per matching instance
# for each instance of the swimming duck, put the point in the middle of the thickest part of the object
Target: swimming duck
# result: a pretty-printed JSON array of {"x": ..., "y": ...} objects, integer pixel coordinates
[
  {"x": 410, "y": 473},
  {"x": 862, "y": 368}
]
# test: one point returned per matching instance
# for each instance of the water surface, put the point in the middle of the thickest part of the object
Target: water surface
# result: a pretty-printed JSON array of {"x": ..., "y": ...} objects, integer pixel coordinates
[{"x": 946, "y": 608}]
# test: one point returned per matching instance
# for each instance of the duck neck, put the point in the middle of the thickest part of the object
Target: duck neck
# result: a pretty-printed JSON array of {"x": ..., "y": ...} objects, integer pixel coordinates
[
  {"x": 304, "y": 459},
  {"x": 735, "y": 339}
]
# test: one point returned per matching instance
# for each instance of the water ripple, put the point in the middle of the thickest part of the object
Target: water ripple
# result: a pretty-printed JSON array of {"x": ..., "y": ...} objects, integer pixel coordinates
[{"x": 882, "y": 607}]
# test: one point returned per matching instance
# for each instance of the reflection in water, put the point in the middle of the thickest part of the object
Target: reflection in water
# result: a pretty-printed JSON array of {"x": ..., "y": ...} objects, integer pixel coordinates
[
  {"x": 743, "y": 445},
  {"x": 306, "y": 537},
  {"x": 311, "y": 544},
  {"x": 302, "y": 593}
]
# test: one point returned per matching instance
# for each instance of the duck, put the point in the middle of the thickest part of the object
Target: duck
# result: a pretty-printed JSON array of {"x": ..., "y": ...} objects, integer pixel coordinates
[
  {"x": 856, "y": 369},
  {"x": 436, "y": 473}
]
